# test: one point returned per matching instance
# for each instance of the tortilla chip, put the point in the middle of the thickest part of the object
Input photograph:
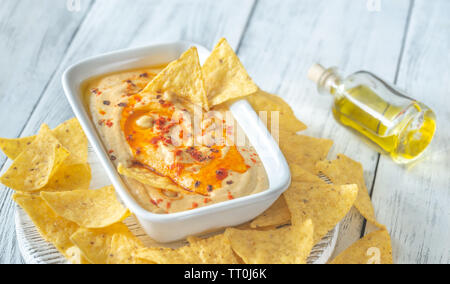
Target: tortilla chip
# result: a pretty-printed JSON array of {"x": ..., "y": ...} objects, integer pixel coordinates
[
  {"x": 303, "y": 150},
  {"x": 375, "y": 248},
  {"x": 70, "y": 177},
  {"x": 214, "y": 250},
  {"x": 34, "y": 167},
  {"x": 262, "y": 101},
  {"x": 88, "y": 208},
  {"x": 225, "y": 76},
  {"x": 72, "y": 137},
  {"x": 325, "y": 205},
  {"x": 53, "y": 229},
  {"x": 69, "y": 133},
  {"x": 182, "y": 77},
  {"x": 288, "y": 245},
  {"x": 110, "y": 245},
  {"x": 184, "y": 255},
  {"x": 347, "y": 171},
  {"x": 149, "y": 178},
  {"x": 14, "y": 147},
  {"x": 277, "y": 215},
  {"x": 301, "y": 175}
]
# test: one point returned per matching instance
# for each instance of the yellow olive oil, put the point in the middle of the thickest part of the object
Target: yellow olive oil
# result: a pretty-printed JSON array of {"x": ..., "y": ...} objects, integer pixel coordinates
[{"x": 398, "y": 125}]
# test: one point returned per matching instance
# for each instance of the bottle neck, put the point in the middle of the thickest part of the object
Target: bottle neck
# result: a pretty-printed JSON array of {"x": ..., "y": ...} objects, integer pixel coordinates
[{"x": 329, "y": 82}]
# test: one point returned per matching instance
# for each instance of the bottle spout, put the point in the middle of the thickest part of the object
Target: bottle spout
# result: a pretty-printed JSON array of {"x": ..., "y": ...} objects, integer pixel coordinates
[{"x": 316, "y": 72}]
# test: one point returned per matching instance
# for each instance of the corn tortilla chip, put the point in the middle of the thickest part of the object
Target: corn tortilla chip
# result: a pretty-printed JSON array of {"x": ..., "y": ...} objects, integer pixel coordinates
[
  {"x": 34, "y": 167},
  {"x": 225, "y": 76},
  {"x": 69, "y": 133},
  {"x": 147, "y": 177},
  {"x": 13, "y": 147},
  {"x": 277, "y": 215},
  {"x": 87, "y": 208},
  {"x": 325, "y": 205},
  {"x": 214, "y": 250},
  {"x": 288, "y": 245},
  {"x": 303, "y": 150},
  {"x": 263, "y": 101},
  {"x": 375, "y": 248},
  {"x": 70, "y": 177},
  {"x": 182, "y": 77},
  {"x": 53, "y": 229},
  {"x": 110, "y": 245},
  {"x": 347, "y": 171},
  {"x": 183, "y": 255}
]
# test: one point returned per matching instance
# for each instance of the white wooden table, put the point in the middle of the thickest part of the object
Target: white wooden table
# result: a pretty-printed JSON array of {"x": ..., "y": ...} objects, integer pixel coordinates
[{"x": 406, "y": 42}]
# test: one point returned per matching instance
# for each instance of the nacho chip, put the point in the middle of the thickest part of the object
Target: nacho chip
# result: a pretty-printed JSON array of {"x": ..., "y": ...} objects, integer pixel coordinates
[
  {"x": 70, "y": 177},
  {"x": 303, "y": 150},
  {"x": 289, "y": 245},
  {"x": 301, "y": 175},
  {"x": 225, "y": 76},
  {"x": 34, "y": 167},
  {"x": 346, "y": 171},
  {"x": 88, "y": 208},
  {"x": 277, "y": 215},
  {"x": 147, "y": 177},
  {"x": 214, "y": 250},
  {"x": 72, "y": 137},
  {"x": 53, "y": 229},
  {"x": 184, "y": 255},
  {"x": 325, "y": 205},
  {"x": 375, "y": 248},
  {"x": 13, "y": 147},
  {"x": 262, "y": 101},
  {"x": 184, "y": 78},
  {"x": 110, "y": 245},
  {"x": 69, "y": 133}
]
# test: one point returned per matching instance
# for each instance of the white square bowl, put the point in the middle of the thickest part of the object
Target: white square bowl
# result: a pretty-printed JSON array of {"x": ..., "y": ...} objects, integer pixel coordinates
[{"x": 176, "y": 226}]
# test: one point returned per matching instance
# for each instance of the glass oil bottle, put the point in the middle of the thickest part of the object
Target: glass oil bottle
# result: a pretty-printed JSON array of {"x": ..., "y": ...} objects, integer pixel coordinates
[{"x": 400, "y": 126}]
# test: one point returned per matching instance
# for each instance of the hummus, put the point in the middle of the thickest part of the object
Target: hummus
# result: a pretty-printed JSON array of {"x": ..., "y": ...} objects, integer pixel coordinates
[{"x": 164, "y": 135}]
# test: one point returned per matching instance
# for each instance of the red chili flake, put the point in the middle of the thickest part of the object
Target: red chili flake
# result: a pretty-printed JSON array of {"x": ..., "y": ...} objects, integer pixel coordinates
[
  {"x": 221, "y": 174},
  {"x": 138, "y": 98},
  {"x": 158, "y": 97},
  {"x": 109, "y": 123},
  {"x": 130, "y": 138},
  {"x": 153, "y": 202},
  {"x": 168, "y": 140},
  {"x": 131, "y": 83},
  {"x": 206, "y": 200},
  {"x": 162, "y": 102},
  {"x": 94, "y": 91},
  {"x": 253, "y": 160},
  {"x": 230, "y": 196},
  {"x": 144, "y": 75},
  {"x": 195, "y": 154},
  {"x": 159, "y": 201},
  {"x": 138, "y": 151},
  {"x": 215, "y": 151},
  {"x": 168, "y": 205},
  {"x": 194, "y": 205},
  {"x": 122, "y": 105},
  {"x": 111, "y": 151},
  {"x": 101, "y": 122},
  {"x": 178, "y": 152},
  {"x": 102, "y": 112},
  {"x": 160, "y": 122},
  {"x": 230, "y": 182},
  {"x": 155, "y": 140}
]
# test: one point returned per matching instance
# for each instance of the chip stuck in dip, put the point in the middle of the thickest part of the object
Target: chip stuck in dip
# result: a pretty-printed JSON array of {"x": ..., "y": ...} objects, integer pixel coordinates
[{"x": 170, "y": 134}]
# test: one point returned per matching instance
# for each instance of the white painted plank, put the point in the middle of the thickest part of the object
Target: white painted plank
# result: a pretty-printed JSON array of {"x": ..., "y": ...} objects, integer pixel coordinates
[
  {"x": 415, "y": 202},
  {"x": 34, "y": 36},
  {"x": 285, "y": 38},
  {"x": 117, "y": 24}
]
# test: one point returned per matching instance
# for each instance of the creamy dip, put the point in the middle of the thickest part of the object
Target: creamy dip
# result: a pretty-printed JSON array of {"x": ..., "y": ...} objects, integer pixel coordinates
[{"x": 159, "y": 134}]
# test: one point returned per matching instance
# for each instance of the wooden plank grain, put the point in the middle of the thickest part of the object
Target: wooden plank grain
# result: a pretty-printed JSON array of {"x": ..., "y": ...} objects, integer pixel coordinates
[
  {"x": 285, "y": 38},
  {"x": 416, "y": 198},
  {"x": 34, "y": 36},
  {"x": 117, "y": 24}
]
